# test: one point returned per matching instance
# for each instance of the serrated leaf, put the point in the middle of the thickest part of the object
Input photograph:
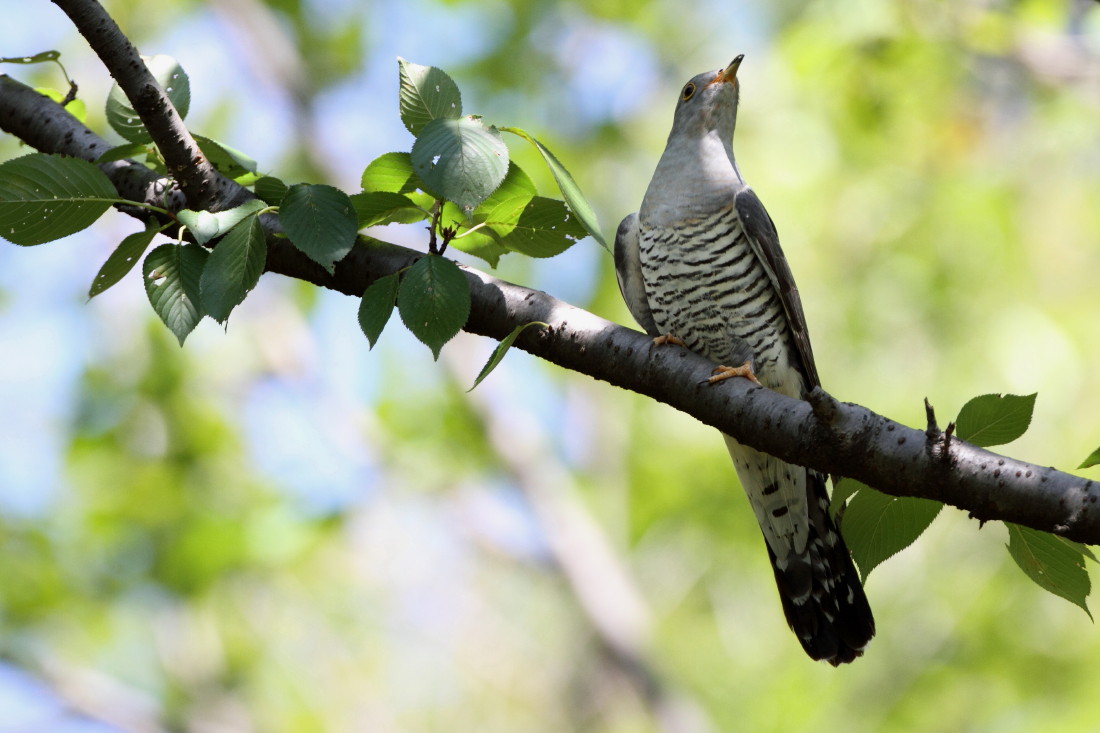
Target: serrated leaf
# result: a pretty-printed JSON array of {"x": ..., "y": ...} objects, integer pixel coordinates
[
  {"x": 1052, "y": 562},
  {"x": 172, "y": 79},
  {"x": 270, "y": 189},
  {"x": 172, "y": 274},
  {"x": 1092, "y": 460},
  {"x": 233, "y": 269},
  {"x": 374, "y": 208},
  {"x": 877, "y": 526},
  {"x": 460, "y": 160},
  {"x": 391, "y": 172},
  {"x": 426, "y": 93},
  {"x": 434, "y": 301},
  {"x": 502, "y": 348},
  {"x": 122, "y": 152},
  {"x": 228, "y": 161},
  {"x": 994, "y": 419},
  {"x": 376, "y": 307},
  {"x": 320, "y": 221},
  {"x": 545, "y": 228},
  {"x": 206, "y": 225},
  {"x": 569, "y": 188},
  {"x": 122, "y": 260},
  {"x": 45, "y": 197}
]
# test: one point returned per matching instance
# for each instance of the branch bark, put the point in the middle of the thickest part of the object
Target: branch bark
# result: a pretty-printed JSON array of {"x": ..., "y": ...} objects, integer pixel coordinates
[{"x": 838, "y": 438}]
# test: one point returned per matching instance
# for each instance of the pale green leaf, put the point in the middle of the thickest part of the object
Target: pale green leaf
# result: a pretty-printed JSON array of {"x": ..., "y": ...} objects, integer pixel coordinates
[
  {"x": 1054, "y": 563},
  {"x": 320, "y": 221},
  {"x": 434, "y": 301},
  {"x": 45, "y": 197},
  {"x": 994, "y": 419},
  {"x": 228, "y": 161},
  {"x": 376, "y": 307},
  {"x": 122, "y": 152},
  {"x": 233, "y": 269},
  {"x": 1092, "y": 460},
  {"x": 460, "y": 160},
  {"x": 374, "y": 208},
  {"x": 172, "y": 273},
  {"x": 569, "y": 188},
  {"x": 171, "y": 78},
  {"x": 392, "y": 172},
  {"x": 501, "y": 349},
  {"x": 426, "y": 93},
  {"x": 37, "y": 58}
]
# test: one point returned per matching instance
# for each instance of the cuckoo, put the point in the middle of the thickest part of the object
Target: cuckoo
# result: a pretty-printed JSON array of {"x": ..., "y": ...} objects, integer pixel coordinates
[{"x": 699, "y": 264}]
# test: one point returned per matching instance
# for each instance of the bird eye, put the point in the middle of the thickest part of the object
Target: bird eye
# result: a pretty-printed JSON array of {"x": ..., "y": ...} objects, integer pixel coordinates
[{"x": 688, "y": 92}]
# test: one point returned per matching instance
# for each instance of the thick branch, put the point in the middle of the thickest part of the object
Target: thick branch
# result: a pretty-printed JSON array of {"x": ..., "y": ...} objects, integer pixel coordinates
[
  {"x": 203, "y": 186},
  {"x": 821, "y": 433}
]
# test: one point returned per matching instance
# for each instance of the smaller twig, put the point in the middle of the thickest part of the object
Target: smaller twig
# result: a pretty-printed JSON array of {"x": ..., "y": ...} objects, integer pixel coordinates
[
  {"x": 933, "y": 430},
  {"x": 432, "y": 243},
  {"x": 947, "y": 438},
  {"x": 823, "y": 404}
]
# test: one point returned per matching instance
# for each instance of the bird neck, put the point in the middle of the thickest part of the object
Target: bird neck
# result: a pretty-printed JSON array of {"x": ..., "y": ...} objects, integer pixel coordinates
[{"x": 696, "y": 172}]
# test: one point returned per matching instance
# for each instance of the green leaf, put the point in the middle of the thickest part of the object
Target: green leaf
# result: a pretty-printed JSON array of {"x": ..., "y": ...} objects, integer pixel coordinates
[
  {"x": 75, "y": 107},
  {"x": 460, "y": 160},
  {"x": 122, "y": 260},
  {"x": 994, "y": 419},
  {"x": 373, "y": 208},
  {"x": 377, "y": 306},
  {"x": 1055, "y": 564},
  {"x": 233, "y": 269},
  {"x": 172, "y": 274},
  {"x": 46, "y": 197},
  {"x": 172, "y": 79},
  {"x": 37, "y": 58},
  {"x": 877, "y": 526},
  {"x": 545, "y": 227},
  {"x": 434, "y": 301},
  {"x": 844, "y": 489},
  {"x": 228, "y": 161},
  {"x": 206, "y": 225},
  {"x": 569, "y": 188},
  {"x": 392, "y": 172},
  {"x": 426, "y": 94},
  {"x": 270, "y": 189},
  {"x": 1092, "y": 460},
  {"x": 122, "y": 152},
  {"x": 320, "y": 221},
  {"x": 502, "y": 348}
]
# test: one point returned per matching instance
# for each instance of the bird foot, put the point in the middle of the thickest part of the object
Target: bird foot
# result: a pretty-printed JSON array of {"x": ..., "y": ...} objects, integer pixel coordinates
[
  {"x": 668, "y": 338},
  {"x": 722, "y": 373}
]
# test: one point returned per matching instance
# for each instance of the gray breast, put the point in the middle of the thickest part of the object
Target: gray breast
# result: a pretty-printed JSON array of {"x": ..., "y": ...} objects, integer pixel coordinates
[{"x": 705, "y": 285}]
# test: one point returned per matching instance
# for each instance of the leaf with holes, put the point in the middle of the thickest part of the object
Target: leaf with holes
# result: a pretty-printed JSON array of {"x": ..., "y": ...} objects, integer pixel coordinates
[
  {"x": 376, "y": 307},
  {"x": 877, "y": 527},
  {"x": 502, "y": 348},
  {"x": 45, "y": 197},
  {"x": 545, "y": 228},
  {"x": 320, "y": 221},
  {"x": 172, "y": 79},
  {"x": 172, "y": 273},
  {"x": 994, "y": 419},
  {"x": 233, "y": 269},
  {"x": 1055, "y": 564},
  {"x": 123, "y": 259},
  {"x": 426, "y": 93},
  {"x": 460, "y": 160},
  {"x": 569, "y": 188},
  {"x": 434, "y": 301}
]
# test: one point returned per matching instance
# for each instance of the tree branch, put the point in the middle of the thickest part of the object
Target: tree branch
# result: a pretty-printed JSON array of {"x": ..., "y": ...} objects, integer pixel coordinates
[{"x": 837, "y": 438}]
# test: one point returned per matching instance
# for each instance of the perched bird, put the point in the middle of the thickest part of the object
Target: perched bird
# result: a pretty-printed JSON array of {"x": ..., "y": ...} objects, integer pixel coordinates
[{"x": 700, "y": 264}]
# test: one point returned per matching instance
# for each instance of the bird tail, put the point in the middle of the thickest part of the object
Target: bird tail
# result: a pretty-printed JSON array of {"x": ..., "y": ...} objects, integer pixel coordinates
[
  {"x": 821, "y": 592},
  {"x": 819, "y": 587}
]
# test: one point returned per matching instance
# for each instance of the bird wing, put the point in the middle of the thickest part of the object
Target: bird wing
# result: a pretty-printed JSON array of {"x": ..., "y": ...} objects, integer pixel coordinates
[
  {"x": 628, "y": 271},
  {"x": 764, "y": 239}
]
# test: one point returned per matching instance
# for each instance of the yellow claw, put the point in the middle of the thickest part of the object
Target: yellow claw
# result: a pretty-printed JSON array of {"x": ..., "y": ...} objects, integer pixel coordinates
[
  {"x": 722, "y": 373},
  {"x": 668, "y": 338}
]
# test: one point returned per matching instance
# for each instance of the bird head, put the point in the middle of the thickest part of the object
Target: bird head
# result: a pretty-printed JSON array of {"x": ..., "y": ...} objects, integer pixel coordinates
[{"x": 708, "y": 103}]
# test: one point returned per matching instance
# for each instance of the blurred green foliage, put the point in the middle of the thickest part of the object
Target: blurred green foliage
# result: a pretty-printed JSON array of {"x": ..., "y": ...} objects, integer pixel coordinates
[{"x": 933, "y": 170}]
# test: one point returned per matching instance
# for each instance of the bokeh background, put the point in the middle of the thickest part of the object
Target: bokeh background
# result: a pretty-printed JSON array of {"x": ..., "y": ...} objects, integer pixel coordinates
[{"x": 276, "y": 529}]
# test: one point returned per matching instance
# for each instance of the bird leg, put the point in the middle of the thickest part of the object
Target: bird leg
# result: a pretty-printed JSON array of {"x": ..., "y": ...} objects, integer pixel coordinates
[
  {"x": 722, "y": 373},
  {"x": 668, "y": 338}
]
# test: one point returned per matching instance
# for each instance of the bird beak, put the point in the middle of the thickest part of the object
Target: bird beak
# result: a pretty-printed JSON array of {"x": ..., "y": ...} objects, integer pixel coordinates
[{"x": 728, "y": 75}]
